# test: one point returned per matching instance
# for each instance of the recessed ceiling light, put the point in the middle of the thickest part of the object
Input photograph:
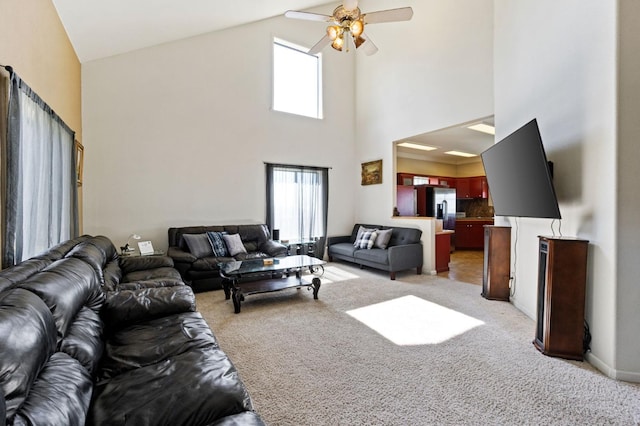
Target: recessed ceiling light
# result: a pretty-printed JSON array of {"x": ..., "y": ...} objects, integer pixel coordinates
[
  {"x": 417, "y": 146},
  {"x": 461, "y": 154},
  {"x": 484, "y": 128}
]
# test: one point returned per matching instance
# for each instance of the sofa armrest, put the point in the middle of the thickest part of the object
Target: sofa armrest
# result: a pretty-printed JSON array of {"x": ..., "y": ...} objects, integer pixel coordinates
[
  {"x": 125, "y": 307},
  {"x": 179, "y": 255},
  {"x": 141, "y": 263},
  {"x": 273, "y": 248},
  {"x": 339, "y": 239},
  {"x": 405, "y": 256}
]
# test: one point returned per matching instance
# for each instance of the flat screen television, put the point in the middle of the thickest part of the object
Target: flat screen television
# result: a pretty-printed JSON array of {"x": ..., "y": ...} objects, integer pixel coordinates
[{"x": 519, "y": 175}]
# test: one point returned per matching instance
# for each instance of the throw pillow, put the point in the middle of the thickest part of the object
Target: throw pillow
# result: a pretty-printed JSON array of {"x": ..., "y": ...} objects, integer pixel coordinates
[
  {"x": 367, "y": 240},
  {"x": 198, "y": 244},
  {"x": 382, "y": 241},
  {"x": 234, "y": 244},
  {"x": 360, "y": 231},
  {"x": 217, "y": 244}
]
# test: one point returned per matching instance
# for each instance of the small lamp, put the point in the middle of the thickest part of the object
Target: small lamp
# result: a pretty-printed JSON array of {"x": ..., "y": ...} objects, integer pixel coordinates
[{"x": 126, "y": 248}]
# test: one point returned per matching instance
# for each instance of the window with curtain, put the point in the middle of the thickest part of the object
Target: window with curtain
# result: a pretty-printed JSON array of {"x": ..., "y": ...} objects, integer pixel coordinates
[
  {"x": 40, "y": 207},
  {"x": 297, "y": 201}
]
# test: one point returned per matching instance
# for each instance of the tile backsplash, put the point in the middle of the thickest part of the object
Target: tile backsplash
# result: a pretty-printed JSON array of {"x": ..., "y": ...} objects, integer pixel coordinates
[{"x": 477, "y": 207}]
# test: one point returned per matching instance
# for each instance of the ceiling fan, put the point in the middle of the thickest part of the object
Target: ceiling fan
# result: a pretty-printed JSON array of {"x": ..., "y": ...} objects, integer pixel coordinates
[{"x": 347, "y": 25}]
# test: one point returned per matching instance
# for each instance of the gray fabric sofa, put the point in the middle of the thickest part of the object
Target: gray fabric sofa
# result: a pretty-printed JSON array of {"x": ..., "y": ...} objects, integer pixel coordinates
[{"x": 403, "y": 250}]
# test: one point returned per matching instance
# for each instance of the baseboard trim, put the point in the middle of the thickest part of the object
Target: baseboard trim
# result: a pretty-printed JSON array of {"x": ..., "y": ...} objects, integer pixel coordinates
[{"x": 625, "y": 376}]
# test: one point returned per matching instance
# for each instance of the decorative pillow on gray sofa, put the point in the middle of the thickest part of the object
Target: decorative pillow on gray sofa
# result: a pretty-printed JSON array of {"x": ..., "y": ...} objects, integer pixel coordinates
[
  {"x": 234, "y": 244},
  {"x": 366, "y": 241},
  {"x": 383, "y": 238},
  {"x": 217, "y": 243},
  {"x": 199, "y": 245},
  {"x": 362, "y": 229}
]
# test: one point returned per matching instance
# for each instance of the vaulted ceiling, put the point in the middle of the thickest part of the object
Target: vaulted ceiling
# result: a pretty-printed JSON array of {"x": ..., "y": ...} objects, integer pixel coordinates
[{"x": 102, "y": 28}]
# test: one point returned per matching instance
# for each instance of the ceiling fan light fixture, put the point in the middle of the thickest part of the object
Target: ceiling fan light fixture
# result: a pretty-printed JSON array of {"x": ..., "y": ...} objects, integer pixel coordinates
[
  {"x": 338, "y": 43},
  {"x": 334, "y": 31},
  {"x": 357, "y": 27},
  {"x": 358, "y": 41}
]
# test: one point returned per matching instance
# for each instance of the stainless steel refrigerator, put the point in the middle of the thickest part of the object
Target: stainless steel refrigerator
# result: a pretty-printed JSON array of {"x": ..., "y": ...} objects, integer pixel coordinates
[{"x": 441, "y": 204}]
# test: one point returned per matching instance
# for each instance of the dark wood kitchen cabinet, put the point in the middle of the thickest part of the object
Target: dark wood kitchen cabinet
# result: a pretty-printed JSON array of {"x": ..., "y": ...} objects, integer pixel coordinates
[
  {"x": 470, "y": 233},
  {"x": 472, "y": 187}
]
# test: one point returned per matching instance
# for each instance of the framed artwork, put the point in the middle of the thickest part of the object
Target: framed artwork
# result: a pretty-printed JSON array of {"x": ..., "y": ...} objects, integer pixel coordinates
[
  {"x": 79, "y": 161},
  {"x": 372, "y": 172}
]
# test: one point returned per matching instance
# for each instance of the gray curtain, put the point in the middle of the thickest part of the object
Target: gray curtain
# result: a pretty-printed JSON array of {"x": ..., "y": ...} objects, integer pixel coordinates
[
  {"x": 40, "y": 206},
  {"x": 297, "y": 202}
]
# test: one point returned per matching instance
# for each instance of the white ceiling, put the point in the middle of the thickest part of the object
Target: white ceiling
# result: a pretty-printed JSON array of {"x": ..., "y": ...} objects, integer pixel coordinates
[
  {"x": 102, "y": 28},
  {"x": 456, "y": 138}
]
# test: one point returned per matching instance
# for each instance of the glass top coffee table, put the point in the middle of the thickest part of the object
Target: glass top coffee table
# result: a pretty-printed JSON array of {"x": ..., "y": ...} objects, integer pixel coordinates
[{"x": 264, "y": 277}]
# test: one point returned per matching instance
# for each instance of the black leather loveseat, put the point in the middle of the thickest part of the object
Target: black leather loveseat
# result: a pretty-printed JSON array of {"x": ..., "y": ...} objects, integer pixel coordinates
[
  {"x": 400, "y": 250},
  {"x": 87, "y": 337},
  {"x": 199, "y": 265}
]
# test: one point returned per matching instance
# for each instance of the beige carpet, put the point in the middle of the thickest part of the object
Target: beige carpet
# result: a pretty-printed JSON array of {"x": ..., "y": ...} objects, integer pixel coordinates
[{"x": 442, "y": 355}]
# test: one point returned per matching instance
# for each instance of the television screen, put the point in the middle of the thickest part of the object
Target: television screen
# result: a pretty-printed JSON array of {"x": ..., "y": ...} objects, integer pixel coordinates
[{"x": 519, "y": 175}]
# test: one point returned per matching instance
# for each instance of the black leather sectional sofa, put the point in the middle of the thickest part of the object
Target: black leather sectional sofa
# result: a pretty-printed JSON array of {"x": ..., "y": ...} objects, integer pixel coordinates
[{"x": 87, "y": 337}]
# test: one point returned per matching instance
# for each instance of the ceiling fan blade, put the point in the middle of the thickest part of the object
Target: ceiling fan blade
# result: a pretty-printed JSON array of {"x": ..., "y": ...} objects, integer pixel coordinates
[
  {"x": 308, "y": 16},
  {"x": 368, "y": 46},
  {"x": 391, "y": 15},
  {"x": 324, "y": 42}
]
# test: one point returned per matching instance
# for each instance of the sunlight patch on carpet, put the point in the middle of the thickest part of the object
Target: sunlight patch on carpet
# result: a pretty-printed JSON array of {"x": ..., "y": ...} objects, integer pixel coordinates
[
  {"x": 410, "y": 321},
  {"x": 334, "y": 274}
]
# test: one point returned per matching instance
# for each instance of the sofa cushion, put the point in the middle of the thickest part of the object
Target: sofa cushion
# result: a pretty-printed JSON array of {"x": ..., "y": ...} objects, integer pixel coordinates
[
  {"x": 60, "y": 396},
  {"x": 165, "y": 272},
  {"x": 342, "y": 249},
  {"x": 374, "y": 255},
  {"x": 210, "y": 263},
  {"x": 366, "y": 239},
  {"x": 199, "y": 244},
  {"x": 234, "y": 244},
  {"x": 65, "y": 286},
  {"x": 84, "y": 339},
  {"x": 217, "y": 244},
  {"x": 28, "y": 333},
  {"x": 127, "y": 307},
  {"x": 154, "y": 341},
  {"x": 196, "y": 387},
  {"x": 402, "y": 236},
  {"x": 384, "y": 235}
]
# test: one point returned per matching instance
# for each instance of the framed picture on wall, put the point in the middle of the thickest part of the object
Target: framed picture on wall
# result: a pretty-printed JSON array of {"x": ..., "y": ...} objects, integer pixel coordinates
[
  {"x": 79, "y": 161},
  {"x": 372, "y": 172}
]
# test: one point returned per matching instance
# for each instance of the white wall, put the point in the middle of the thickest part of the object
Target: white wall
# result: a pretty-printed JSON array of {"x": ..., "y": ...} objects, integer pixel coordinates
[
  {"x": 628, "y": 232},
  {"x": 177, "y": 134},
  {"x": 556, "y": 61},
  {"x": 433, "y": 72}
]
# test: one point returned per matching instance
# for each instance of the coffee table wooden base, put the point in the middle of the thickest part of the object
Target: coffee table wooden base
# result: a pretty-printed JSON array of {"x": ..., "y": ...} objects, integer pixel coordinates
[{"x": 237, "y": 291}]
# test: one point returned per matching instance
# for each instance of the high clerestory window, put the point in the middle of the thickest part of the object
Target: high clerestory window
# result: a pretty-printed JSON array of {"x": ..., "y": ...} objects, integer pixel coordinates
[{"x": 297, "y": 80}]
